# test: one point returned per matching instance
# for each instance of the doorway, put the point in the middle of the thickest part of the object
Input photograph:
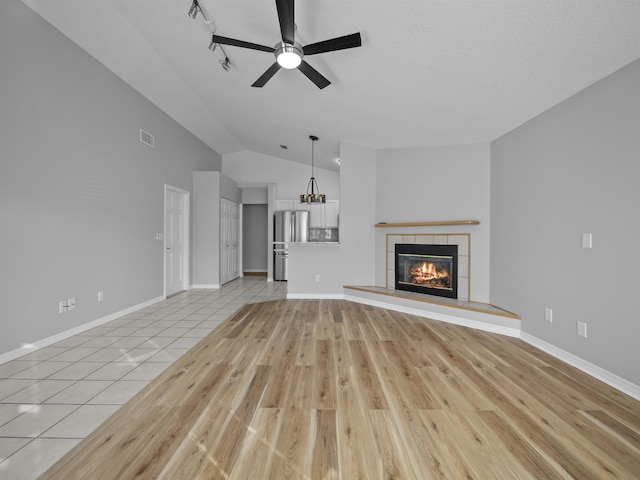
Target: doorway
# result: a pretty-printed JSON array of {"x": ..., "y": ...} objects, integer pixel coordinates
[
  {"x": 176, "y": 240},
  {"x": 255, "y": 236}
]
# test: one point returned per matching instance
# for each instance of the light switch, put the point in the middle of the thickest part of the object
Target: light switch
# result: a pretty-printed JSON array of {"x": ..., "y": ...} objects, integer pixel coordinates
[
  {"x": 582, "y": 329},
  {"x": 587, "y": 240}
]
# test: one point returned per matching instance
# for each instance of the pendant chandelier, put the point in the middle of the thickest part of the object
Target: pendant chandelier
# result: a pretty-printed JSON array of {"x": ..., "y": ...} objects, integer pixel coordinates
[{"x": 313, "y": 194}]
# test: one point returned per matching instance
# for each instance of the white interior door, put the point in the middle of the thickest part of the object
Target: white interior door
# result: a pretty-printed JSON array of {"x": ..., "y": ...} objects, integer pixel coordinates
[
  {"x": 176, "y": 223},
  {"x": 229, "y": 244}
]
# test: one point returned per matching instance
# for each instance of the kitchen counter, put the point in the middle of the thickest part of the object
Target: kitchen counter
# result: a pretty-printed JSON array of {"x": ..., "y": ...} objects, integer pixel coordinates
[{"x": 319, "y": 244}]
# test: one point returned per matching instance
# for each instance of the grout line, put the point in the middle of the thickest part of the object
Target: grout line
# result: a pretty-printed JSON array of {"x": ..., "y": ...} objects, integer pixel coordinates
[{"x": 222, "y": 303}]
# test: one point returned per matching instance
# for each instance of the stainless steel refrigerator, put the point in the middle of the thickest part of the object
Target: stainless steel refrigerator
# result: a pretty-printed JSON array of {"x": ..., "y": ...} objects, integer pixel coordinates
[{"x": 288, "y": 226}]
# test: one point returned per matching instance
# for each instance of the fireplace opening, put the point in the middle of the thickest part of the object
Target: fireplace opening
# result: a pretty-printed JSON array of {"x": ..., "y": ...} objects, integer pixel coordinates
[{"x": 428, "y": 269}]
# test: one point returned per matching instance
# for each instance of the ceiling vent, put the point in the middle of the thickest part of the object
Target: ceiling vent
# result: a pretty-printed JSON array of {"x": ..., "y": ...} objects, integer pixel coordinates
[{"x": 146, "y": 138}]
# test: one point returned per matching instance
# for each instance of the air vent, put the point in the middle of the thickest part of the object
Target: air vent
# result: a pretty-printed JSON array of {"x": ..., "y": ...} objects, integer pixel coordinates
[{"x": 146, "y": 138}]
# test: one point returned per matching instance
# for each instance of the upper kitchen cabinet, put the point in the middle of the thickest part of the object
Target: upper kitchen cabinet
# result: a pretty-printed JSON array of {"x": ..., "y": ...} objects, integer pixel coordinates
[{"x": 324, "y": 214}]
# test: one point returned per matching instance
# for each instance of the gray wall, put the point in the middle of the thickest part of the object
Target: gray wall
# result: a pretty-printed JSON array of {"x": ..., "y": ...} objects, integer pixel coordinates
[
  {"x": 205, "y": 255},
  {"x": 573, "y": 170},
  {"x": 376, "y": 186},
  {"x": 255, "y": 195},
  {"x": 434, "y": 184},
  {"x": 254, "y": 237},
  {"x": 81, "y": 199},
  {"x": 352, "y": 262},
  {"x": 208, "y": 189}
]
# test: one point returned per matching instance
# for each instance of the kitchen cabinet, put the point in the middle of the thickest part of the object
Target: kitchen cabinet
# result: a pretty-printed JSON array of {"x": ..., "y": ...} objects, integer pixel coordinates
[{"x": 324, "y": 214}]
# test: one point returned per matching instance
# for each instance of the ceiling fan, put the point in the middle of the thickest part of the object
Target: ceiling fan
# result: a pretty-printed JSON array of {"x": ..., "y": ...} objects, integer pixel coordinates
[{"x": 288, "y": 52}]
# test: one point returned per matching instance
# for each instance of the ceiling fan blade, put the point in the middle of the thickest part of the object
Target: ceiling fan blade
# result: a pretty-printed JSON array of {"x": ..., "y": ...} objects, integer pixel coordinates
[
  {"x": 266, "y": 76},
  {"x": 240, "y": 43},
  {"x": 287, "y": 20},
  {"x": 313, "y": 75},
  {"x": 338, "y": 43}
]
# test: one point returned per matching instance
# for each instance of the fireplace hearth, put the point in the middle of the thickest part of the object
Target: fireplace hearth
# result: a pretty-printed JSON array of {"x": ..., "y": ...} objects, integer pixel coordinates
[{"x": 428, "y": 269}]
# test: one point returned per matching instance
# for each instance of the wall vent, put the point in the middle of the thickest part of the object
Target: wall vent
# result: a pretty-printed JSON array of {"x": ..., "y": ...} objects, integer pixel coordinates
[{"x": 146, "y": 138}]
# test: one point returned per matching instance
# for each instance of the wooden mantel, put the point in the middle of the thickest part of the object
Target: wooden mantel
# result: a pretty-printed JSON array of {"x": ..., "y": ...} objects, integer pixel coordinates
[{"x": 428, "y": 224}]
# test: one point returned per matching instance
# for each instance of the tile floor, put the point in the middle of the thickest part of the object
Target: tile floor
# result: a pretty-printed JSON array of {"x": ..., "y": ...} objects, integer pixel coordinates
[{"x": 54, "y": 397}]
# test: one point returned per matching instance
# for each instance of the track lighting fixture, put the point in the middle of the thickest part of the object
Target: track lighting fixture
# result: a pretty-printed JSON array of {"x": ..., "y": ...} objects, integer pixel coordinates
[
  {"x": 213, "y": 45},
  {"x": 193, "y": 11},
  {"x": 226, "y": 63}
]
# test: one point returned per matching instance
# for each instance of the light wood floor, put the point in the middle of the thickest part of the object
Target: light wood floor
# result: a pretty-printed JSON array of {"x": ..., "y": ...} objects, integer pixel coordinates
[{"x": 327, "y": 389}]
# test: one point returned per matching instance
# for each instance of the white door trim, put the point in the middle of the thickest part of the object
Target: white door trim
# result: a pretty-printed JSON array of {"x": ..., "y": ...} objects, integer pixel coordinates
[{"x": 186, "y": 253}]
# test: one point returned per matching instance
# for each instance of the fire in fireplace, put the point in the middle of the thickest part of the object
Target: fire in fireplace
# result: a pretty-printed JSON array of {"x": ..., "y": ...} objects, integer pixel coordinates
[{"x": 429, "y": 269}]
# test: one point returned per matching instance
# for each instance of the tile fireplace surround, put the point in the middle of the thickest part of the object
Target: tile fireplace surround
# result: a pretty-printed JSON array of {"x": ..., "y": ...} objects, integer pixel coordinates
[{"x": 462, "y": 240}]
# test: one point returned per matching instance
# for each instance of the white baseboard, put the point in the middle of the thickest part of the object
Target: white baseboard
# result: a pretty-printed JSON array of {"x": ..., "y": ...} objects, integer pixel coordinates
[
  {"x": 207, "y": 286},
  {"x": 315, "y": 296},
  {"x": 442, "y": 317},
  {"x": 45, "y": 342},
  {"x": 601, "y": 374},
  {"x": 607, "y": 377}
]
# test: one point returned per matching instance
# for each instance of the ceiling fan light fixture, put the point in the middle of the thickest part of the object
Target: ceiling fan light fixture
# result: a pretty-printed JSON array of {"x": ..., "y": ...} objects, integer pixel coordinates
[{"x": 288, "y": 56}]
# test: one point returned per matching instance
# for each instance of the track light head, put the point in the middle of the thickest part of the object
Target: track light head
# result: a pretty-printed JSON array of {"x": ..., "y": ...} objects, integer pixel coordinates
[
  {"x": 213, "y": 45},
  {"x": 193, "y": 11},
  {"x": 226, "y": 65}
]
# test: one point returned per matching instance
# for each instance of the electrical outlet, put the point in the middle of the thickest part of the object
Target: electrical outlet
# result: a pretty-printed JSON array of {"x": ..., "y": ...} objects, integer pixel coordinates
[
  {"x": 100, "y": 296},
  {"x": 548, "y": 315},
  {"x": 582, "y": 329},
  {"x": 71, "y": 304},
  {"x": 63, "y": 306},
  {"x": 317, "y": 278}
]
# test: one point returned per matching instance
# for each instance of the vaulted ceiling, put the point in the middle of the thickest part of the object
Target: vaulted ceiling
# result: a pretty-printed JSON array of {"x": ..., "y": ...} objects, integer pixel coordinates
[{"x": 429, "y": 72}]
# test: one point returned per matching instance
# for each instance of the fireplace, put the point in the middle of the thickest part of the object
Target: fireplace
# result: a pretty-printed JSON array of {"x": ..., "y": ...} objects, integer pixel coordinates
[{"x": 428, "y": 269}]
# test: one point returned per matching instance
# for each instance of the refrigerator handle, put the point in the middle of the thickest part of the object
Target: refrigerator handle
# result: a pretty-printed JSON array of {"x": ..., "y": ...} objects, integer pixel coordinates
[{"x": 292, "y": 224}]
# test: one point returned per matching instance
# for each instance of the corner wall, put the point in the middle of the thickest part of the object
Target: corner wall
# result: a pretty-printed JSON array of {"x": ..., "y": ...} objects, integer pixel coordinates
[
  {"x": 81, "y": 199},
  {"x": 352, "y": 261},
  {"x": 434, "y": 184},
  {"x": 573, "y": 170}
]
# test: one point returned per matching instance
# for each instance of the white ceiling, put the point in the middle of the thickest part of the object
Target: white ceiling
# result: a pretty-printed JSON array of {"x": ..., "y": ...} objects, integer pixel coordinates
[{"x": 429, "y": 72}]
